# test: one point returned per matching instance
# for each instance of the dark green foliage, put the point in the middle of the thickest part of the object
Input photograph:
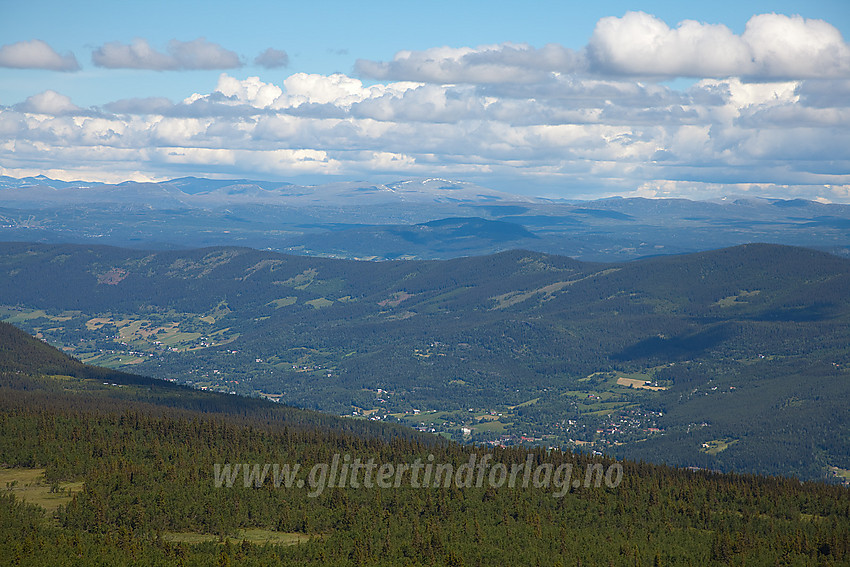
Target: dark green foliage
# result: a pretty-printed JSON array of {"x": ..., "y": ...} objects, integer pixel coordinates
[
  {"x": 25, "y": 363},
  {"x": 489, "y": 333},
  {"x": 147, "y": 469}
]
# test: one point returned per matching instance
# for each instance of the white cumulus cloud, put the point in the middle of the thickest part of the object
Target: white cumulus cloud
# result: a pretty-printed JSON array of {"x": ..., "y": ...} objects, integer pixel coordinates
[
  {"x": 36, "y": 54},
  {"x": 49, "y": 102},
  {"x": 252, "y": 90},
  {"x": 641, "y": 44},
  {"x": 773, "y": 46},
  {"x": 793, "y": 47}
]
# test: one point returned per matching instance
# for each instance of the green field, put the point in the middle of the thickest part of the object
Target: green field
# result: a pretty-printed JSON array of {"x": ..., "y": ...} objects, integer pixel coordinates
[
  {"x": 251, "y": 535},
  {"x": 717, "y": 446},
  {"x": 29, "y": 485}
]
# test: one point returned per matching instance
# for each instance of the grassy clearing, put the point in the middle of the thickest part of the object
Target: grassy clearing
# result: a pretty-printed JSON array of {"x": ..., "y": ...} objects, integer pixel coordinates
[
  {"x": 283, "y": 302},
  {"x": 546, "y": 292},
  {"x": 110, "y": 360},
  {"x": 97, "y": 323},
  {"x": 396, "y": 299},
  {"x": 577, "y": 393},
  {"x": 487, "y": 417},
  {"x": 319, "y": 303},
  {"x": 441, "y": 301},
  {"x": 611, "y": 380},
  {"x": 604, "y": 408},
  {"x": 512, "y": 298},
  {"x": 489, "y": 426},
  {"x": 639, "y": 383},
  {"x": 741, "y": 297},
  {"x": 610, "y": 391},
  {"x": 515, "y": 297},
  {"x": 302, "y": 280},
  {"x": 843, "y": 474},
  {"x": 147, "y": 335},
  {"x": 525, "y": 404},
  {"x": 717, "y": 446},
  {"x": 251, "y": 535},
  {"x": 29, "y": 485},
  {"x": 15, "y": 315},
  {"x": 175, "y": 338},
  {"x": 130, "y": 330}
]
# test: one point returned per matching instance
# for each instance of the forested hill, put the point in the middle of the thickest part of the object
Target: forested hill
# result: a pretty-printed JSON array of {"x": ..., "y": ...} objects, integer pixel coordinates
[
  {"x": 20, "y": 352},
  {"x": 735, "y": 359},
  {"x": 86, "y": 277},
  {"x": 93, "y": 277},
  {"x": 35, "y": 373},
  {"x": 124, "y": 473}
]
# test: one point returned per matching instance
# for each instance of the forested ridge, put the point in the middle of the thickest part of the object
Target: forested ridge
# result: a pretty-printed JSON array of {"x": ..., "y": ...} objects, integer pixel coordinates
[
  {"x": 735, "y": 359},
  {"x": 32, "y": 368},
  {"x": 145, "y": 461}
]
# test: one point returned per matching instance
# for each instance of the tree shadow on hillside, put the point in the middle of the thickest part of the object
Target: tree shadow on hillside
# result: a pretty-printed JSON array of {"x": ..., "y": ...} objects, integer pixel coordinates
[
  {"x": 814, "y": 312},
  {"x": 675, "y": 348}
]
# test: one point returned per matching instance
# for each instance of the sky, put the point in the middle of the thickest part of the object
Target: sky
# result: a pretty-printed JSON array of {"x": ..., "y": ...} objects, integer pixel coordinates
[{"x": 567, "y": 99}]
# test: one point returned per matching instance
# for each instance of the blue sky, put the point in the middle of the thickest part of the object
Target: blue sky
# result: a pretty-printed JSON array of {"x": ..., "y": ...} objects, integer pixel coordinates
[{"x": 554, "y": 98}]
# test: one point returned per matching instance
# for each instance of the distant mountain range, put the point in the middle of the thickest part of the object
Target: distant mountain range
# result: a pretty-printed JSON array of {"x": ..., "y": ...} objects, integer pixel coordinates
[
  {"x": 417, "y": 219},
  {"x": 194, "y": 192}
]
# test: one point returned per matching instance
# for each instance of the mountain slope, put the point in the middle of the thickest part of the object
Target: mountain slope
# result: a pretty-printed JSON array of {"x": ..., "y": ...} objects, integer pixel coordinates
[
  {"x": 443, "y": 238},
  {"x": 34, "y": 370},
  {"x": 136, "y": 482},
  {"x": 622, "y": 358}
]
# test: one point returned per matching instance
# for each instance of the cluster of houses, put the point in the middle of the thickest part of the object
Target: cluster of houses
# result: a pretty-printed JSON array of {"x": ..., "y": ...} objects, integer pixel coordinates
[{"x": 512, "y": 440}]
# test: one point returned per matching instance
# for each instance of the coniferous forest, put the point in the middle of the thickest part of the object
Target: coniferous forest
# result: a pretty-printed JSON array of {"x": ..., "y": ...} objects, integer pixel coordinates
[
  {"x": 734, "y": 360},
  {"x": 134, "y": 458}
]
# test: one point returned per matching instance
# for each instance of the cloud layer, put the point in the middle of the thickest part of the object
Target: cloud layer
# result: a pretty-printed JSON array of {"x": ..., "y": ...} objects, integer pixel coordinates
[
  {"x": 514, "y": 63},
  {"x": 272, "y": 58},
  {"x": 767, "y": 114},
  {"x": 182, "y": 55}
]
